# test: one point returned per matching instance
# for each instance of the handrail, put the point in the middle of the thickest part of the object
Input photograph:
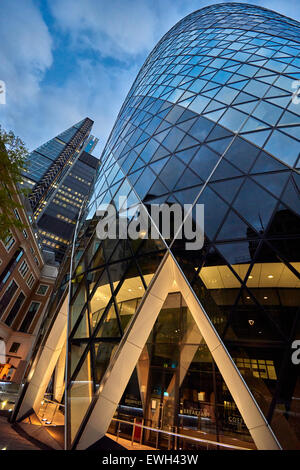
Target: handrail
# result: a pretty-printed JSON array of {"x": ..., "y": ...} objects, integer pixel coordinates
[
  {"x": 206, "y": 441},
  {"x": 54, "y": 402}
]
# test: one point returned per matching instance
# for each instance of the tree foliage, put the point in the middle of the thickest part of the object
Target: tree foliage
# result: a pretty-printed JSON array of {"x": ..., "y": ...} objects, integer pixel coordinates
[{"x": 12, "y": 161}]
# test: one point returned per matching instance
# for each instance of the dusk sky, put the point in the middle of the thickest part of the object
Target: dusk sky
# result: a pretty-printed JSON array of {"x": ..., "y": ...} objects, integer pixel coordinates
[{"x": 63, "y": 60}]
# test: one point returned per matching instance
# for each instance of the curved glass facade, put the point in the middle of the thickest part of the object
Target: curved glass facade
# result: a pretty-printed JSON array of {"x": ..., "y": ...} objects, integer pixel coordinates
[{"x": 211, "y": 119}]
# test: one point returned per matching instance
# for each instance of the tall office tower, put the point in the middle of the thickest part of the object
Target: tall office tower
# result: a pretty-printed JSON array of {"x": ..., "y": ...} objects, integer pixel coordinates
[
  {"x": 61, "y": 174},
  {"x": 194, "y": 342}
]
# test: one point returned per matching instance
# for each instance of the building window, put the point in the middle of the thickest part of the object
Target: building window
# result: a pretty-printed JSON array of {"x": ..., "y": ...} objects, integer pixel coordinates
[
  {"x": 7, "y": 296},
  {"x": 42, "y": 289},
  {"x": 30, "y": 281},
  {"x": 25, "y": 234},
  {"x": 14, "y": 347},
  {"x": 36, "y": 261},
  {"x": 8, "y": 242},
  {"x": 259, "y": 368},
  {"x": 15, "y": 309},
  {"x": 17, "y": 214},
  {"x": 10, "y": 267},
  {"x": 23, "y": 269},
  {"x": 29, "y": 317}
]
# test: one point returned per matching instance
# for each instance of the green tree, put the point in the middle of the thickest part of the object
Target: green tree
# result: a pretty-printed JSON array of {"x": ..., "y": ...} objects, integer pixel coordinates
[{"x": 12, "y": 161}]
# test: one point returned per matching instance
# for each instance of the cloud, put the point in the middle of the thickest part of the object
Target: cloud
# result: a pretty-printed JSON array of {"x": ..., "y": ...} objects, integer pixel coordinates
[
  {"x": 25, "y": 55},
  {"x": 111, "y": 28},
  {"x": 94, "y": 91},
  {"x": 63, "y": 60}
]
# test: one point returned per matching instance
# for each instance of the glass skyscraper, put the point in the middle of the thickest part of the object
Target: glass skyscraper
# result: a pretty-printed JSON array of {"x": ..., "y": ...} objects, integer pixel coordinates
[
  {"x": 60, "y": 175},
  {"x": 197, "y": 342}
]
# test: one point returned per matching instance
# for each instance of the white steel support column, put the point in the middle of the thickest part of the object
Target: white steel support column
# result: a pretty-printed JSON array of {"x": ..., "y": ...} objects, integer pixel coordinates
[
  {"x": 122, "y": 365},
  {"x": 40, "y": 375}
]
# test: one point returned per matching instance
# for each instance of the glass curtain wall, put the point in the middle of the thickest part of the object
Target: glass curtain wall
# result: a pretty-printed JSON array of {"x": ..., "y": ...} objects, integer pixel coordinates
[{"x": 211, "y": 118}]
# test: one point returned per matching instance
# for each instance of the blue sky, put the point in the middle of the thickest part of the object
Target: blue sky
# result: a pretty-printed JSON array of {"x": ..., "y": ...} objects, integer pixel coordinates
[{"x": 63, "y": 60}]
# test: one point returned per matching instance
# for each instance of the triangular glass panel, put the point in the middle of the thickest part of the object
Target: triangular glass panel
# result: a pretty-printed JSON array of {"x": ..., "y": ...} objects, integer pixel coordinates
[
  {"x": 211, "y": 93},
  {"x": 103, "y": 354},
  {"x": 233, "y": 119},
  {"x": 134, "y": 176},
  {"x": 174, "y": 137},
  {"x": 227, "y": 189},
  {"x": 234, "y": 227},
  {"x": 186, "y": 115},
  {"x": 253, "y": 124},
  {"x": 292, "y": 131},
  {"x": 225, "y": 170},
  {"x": 283, "y": 147},
  {"x": 186, "y": 125},
  {"x": 246, "y": 107},
  {"x": 187, "y": 102},
  {"x": 189, "y": 178},
  {"x": 218, "y": 133},
  {"x": 220, "y": 145},
  {"x": 157, "y": 189},
  {"x": 197, "y": 85},
  {"x": 172, "y": 172},
  {"x": 274, "y": 92},
  {"x": 213, "y": 105},
  {"x": 201, "y": 129},
  {"x": 295, "y": 108},
  {"x": 274, "y": 182},
  {"x": 267, "y": 112},
  {"x": 185, "y": 96},
  {"x": 109, "y": 325},
  {"x": 186, "y": 155},
  {"x": 211, "y": 86},
  {"x": 291, "y": 197},
  {"x": 257, "y": 138},
  {"x": 204, "y": 161},
  {"x": 160, "y": 137},
  {"x": 243, "y": 98},
  {"x": 283, "y": 101},
  {"x": 187, "y": 142},
  {"x": 188, "y": 196},
  {"x": 239, "y": 85},
  {"x": 238, "y": 255},
  {"x": 289, "y": 118},
  {"x": 296, "y": 178},
  {"x": 266, "y": 163},
  {"x": 215, "y": 209},
  {"x": 269, "y": 79},
  {"x": 160, "y": 152},
  {"x": 235, "y": 78},
  {"x": 158, "y": 165},
  {"x": 82, "y": 329},
  {"x": 215, "y": 116},
  {"x": 199, "y": 104},
  {"x": 255, "y": 204}
]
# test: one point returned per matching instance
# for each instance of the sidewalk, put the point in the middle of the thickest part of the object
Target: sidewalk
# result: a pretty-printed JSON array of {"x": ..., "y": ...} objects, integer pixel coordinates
[{"x": 11, "y": 440}]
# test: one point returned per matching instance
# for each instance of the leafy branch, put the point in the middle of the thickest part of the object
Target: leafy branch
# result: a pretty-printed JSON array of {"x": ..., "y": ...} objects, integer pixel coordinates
[{"x": 12, "y": 162}]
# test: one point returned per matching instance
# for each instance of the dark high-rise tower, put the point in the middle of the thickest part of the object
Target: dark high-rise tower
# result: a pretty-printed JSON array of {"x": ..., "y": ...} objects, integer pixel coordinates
[{"x": 61, "y": 174}]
